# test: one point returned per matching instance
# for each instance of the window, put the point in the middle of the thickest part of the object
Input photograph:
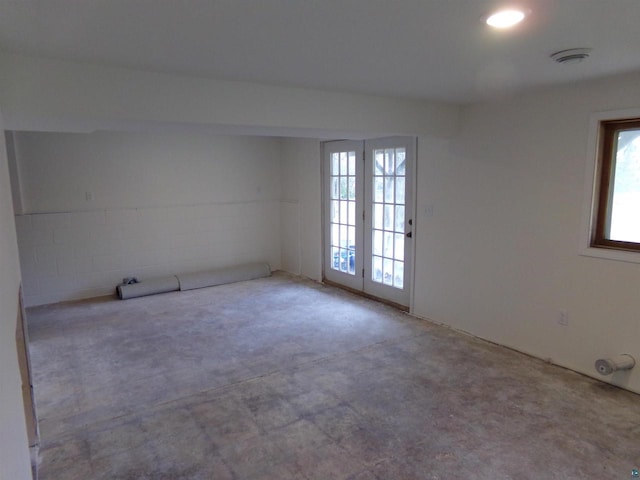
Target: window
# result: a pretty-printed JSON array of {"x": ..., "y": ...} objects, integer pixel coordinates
[{"x": 616, "y": 215}]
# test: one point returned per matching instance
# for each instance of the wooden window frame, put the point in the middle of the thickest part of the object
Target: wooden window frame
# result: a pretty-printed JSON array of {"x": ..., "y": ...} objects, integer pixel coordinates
[{"x": 605, "y": 166}]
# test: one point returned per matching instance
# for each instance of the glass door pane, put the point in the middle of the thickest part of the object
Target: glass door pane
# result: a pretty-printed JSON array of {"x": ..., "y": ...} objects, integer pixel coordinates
[
  {"x": 389, "y": 172},
  {"x": 343, "y": 207},
  {"x": 343, "y": 176}
]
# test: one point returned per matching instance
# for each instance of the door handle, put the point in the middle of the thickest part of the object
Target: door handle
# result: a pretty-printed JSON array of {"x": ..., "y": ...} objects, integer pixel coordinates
[{"x": 409, "y": 234}]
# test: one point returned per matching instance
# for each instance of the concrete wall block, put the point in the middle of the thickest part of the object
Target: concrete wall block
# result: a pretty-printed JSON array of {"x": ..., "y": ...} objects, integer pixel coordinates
[
  {"x": 65, "y": 258},
  {"x": 71, "y": 236},
  {"x": 30, "y": 285},
  {"x": 108, "y": 263},
  {"x": 27, "y": 254},
  {"x": 202, "y": 225},
  {"x": 44, "y": 237},
  {"x": 45, "y": 299},
  {"x": 176, "y": 268},
  {"x": 93, "y": 292},
  {"x": 23, "y": 225},
  {"x": 88, "y": 219},
  {"x": 204, "y": 210},
  {"x": 154, "y": 271},
  {"x": 199, "y": 210},
  {"x": 103, "y": 245},
  {"x": 43, "y": 251},
  {"x": 152, "y": 218},
  {"x": 208, "y": 222},
  {"x": 182, "y": 255},
  {"x": 225, "y": 237},
  {"x": 130, "y": 232},
  {"x": 204, "y": 239},
  {"x": 33, "y": 300},
  {"x": 231, "y": 210},
  {"x": 28, "y": 235},
  {"x": 99, "y": 232},
  {"x": 145, "y": 241},
  {"x": 101, "y": 280},
  {"x": 181, "y": 217},
  {"x": 48, "y": 221},
  {"x": 58, "y": 283},
  {"x": 46, "y": 261},
  {"x": 130, "y": 263},
  {"x": 121, "y": 216},
  {"x": 182, "y": 240},
  {"x": 203, "y": 255},
  {"x": 150, "y": 258},
  {"x": 67, "y": 264},
  {"x": 84, "y": 263},
  {"x": 222, "y": 225}
]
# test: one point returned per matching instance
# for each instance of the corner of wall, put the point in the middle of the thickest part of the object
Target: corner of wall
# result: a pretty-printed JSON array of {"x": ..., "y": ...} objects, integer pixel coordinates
[{"x": 14, "y": 173}]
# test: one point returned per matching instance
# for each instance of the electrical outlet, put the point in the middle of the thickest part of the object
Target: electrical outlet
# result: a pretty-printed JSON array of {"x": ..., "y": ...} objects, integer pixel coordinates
[
  {"x": 88, "y": 196},
  {"x": 563, "y": 318}
]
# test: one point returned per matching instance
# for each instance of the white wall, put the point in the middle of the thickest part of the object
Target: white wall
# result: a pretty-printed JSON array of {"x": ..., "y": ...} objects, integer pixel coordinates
[
  {"x": 500, "y": 256},
  {"x": 162, "y": 204},
  {"x": 301, "y": 207},
  {"x": 14, "y": 450}
]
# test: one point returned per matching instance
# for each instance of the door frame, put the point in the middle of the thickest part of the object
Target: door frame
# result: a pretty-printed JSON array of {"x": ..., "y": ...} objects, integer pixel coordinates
[
  {"x": 325, "y": 196},
  {"x": 373, "y": 288}
]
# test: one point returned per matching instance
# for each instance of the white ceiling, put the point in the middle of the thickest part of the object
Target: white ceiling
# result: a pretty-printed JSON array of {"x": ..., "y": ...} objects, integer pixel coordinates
[{"x": 434, "y": 49}]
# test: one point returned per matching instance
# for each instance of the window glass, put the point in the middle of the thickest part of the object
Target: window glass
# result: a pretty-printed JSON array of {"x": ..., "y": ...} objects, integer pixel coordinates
[{"x": 625, "y": 205}]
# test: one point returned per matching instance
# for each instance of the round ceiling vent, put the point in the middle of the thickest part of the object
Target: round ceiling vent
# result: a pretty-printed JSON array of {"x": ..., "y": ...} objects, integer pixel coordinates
[{"x": 572, "y": 55}]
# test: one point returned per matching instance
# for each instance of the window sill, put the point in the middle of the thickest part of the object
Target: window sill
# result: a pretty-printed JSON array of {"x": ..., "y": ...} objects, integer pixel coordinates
[{"x": 611, "y": 254}]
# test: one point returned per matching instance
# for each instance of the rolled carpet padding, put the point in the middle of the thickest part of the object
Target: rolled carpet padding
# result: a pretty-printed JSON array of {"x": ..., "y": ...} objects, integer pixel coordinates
[
  {"x": 220, "y": 276},
  {"x": 148, "y": 287}
]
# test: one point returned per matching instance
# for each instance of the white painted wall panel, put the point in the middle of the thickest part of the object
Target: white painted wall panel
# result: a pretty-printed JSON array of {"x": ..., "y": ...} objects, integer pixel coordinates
[
  {"x": 125, "y": 170},
  {"x": 301, "y": 186},
  {"x": 162, "y": 204},
  {"x": 290, "y": 236}
]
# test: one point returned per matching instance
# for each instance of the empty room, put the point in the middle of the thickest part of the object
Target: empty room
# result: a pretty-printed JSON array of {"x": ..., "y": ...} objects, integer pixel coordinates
[{"x": 304, "y": 240}]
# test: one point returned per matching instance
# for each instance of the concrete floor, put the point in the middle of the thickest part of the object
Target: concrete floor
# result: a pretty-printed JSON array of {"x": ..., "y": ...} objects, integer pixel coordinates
[{"x": 281, "y": 378}]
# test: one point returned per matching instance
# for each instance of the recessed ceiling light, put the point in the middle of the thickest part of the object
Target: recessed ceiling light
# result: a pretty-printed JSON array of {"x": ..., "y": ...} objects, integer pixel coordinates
[{"x": 505, "y": 18}]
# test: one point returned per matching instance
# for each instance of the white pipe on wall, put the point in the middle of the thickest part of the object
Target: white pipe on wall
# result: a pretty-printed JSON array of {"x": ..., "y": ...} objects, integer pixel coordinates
[{"x": 606, "y": 366}]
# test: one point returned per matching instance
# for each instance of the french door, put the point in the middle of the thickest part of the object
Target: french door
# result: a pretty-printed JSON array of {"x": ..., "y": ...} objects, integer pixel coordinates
[{"x": 368, "y": 216}]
